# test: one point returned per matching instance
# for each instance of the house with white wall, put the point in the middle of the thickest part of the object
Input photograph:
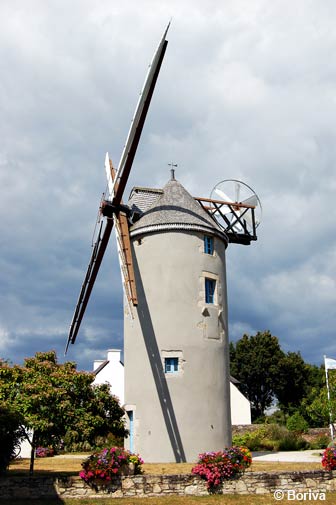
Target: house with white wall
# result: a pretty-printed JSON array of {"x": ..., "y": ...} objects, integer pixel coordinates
[
  {"x": 240, "y": 406},
  {"x": 111, "y": 371}
]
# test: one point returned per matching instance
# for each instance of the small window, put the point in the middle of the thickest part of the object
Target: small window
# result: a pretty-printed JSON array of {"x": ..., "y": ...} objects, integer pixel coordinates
[
  {"x": 171, "y": 365},
  {"x": 208, "y": 244},
  {"x": 210, "y": 286}
]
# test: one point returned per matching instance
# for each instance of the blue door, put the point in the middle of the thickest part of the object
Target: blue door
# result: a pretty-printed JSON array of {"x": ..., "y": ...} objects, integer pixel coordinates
[{"x": 131, "y": 429}]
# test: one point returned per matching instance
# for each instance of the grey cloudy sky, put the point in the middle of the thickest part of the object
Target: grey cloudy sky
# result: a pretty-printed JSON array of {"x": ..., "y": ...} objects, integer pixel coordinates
[{"x": 247, "y": 90}]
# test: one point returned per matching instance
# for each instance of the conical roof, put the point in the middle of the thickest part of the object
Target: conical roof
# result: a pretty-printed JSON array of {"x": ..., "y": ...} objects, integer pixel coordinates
[{"x": 175, "y": 209}]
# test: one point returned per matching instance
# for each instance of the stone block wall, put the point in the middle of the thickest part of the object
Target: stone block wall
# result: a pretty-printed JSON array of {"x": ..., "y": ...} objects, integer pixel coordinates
[{"x": 160, "y": 485}]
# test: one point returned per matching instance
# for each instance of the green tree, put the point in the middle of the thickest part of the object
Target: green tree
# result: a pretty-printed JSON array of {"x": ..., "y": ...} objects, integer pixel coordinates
[
  {"x": 292, "y": 383},
  {"x": 315, "y": 386},
  {"x": 316, "y": 406},
  {"x": 58, "y": 402},
  {"x": 255, "y": 363},
  {"x": 11, "y": 433},
  {"x": 267, "y": 374}
]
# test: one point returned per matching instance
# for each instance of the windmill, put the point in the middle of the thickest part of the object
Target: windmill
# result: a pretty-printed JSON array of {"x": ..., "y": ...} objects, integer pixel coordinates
[{"x": 171, "y": 249}]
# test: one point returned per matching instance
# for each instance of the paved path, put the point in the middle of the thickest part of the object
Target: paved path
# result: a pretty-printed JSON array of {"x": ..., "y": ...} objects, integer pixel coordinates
[{"x": 312, "y": 456}]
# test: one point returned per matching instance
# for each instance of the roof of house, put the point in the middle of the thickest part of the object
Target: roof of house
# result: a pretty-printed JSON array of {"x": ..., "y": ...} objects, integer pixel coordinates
[
  {"x": 171, "y": 208},
  {"x": 103, "y": 365},
  {"x": 100, "y": 367}
]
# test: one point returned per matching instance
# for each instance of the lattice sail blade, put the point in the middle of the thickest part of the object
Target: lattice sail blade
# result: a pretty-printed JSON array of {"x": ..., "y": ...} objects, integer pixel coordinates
[
  {"x": 117, "y": 186},
  {"x": 89, "y": 280},
  {"x": 123, "y": 271},
  {"x": 125, "y": 260},
  {"x": 109, "y": 178},
  {"x": 125, "y": 285},
  {"x": 123, "y": 246},
  {"x": 138, "y": 120},
  {"x": 140, "y": 104}
]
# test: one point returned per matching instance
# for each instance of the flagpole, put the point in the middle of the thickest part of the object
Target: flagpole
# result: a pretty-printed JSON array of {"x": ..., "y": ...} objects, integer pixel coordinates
[{"x": 329, "y": 401}]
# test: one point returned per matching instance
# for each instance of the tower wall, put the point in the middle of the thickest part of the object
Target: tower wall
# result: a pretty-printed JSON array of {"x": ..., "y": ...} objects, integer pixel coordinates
[{"x": 175, "y": 416}]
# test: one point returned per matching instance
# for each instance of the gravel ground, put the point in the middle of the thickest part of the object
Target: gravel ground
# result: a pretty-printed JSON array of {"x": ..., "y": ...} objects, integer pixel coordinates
[{"x": 311, "y": 456}]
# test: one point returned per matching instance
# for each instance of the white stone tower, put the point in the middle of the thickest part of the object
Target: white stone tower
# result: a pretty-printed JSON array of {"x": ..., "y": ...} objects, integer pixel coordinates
[{"x": 177, "y": 389}]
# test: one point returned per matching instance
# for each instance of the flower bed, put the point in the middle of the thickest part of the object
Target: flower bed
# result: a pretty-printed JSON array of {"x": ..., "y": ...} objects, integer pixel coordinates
[
  {"x": 44, "y": 452},
  {"x": 102, "y": 466},
  {"x": 218, "y": 466},
  {"x": 329, "y": 458}
]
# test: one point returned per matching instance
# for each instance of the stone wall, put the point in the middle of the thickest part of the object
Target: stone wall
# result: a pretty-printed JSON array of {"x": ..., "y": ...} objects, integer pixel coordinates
[
  {"x": 160, "y": 485},
  {"x": 241, "y": 429}
]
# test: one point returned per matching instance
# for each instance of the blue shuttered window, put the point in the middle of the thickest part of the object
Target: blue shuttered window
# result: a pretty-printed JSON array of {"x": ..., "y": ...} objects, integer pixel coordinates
[
  {"x": 210, "y": 286},
  {"x": 208, "y": 245}
]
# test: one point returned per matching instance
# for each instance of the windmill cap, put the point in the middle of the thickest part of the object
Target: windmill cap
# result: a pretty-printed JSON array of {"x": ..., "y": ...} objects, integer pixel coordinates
[{"x": 171, "y": 208}]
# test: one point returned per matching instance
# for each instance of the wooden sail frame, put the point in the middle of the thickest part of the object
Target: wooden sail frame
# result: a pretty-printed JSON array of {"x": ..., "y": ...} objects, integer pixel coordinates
[{"x": 125, "y": 251}]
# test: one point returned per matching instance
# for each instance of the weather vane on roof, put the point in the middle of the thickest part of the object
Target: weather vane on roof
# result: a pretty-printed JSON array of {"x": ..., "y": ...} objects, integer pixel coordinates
[{"x": 172, "y": 170}]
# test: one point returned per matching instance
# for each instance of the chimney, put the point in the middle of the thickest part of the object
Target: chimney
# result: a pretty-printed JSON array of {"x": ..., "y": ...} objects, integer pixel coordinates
[{"x": 113, "y": 355}]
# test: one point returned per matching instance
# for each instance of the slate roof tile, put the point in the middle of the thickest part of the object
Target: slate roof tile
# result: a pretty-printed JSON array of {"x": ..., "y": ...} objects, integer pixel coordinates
[{"x": 170, "y": 208}]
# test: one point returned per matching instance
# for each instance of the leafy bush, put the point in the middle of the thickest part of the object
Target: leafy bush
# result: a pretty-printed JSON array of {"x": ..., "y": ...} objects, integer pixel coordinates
[
  {"x": 278, "y": 417},
  {"x": 275, "y": 431},
  {"x": 252, "y": 440},
  {"x": 106, "y": 464},
  {"x": 226, "y": 464},
  {"x": 11, "y": 433},
  {"x": 44, "y": 452},
  {"x": 258, "y": 440},
  {"x": 271, "y": 437},
  {"x": 110, "y": 440},
  {"x": 241, "y": 440},
  {"x": 297, "y": 423},
  {"x": 78, "y": 447},
  {"x": 329, "y": 458},
  {"x": 260, "y": 420},
  {"x": 292, "y": 442},
  {"x": 320, "y": 442},
  {"x": 72, "y": 442}
]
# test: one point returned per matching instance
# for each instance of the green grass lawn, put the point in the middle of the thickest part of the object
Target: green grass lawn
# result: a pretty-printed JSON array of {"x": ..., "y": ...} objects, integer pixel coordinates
[{"x": 72, "y": 465}]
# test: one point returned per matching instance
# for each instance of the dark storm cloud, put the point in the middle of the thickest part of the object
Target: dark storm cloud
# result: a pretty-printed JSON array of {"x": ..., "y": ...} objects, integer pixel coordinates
[{"x": 247, "y": 90}]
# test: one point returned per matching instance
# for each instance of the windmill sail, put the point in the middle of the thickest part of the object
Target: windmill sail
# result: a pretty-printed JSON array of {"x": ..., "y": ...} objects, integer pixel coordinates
[
  {"x": 123, "y": 244},
  {"x": 138, "y": 120},
  {"x": 125, "y": 261},
  {"x": 90, "y": 277},
  {"x": 117, "y": 190}
]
